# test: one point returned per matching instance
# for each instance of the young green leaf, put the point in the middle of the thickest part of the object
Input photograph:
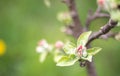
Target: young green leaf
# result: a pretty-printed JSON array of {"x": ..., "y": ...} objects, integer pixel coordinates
[
  {"x": 43, "y": 56},
  {"x": 67, "y": 60},
  {"x": 58, "y": 54},
  {"x": 83, "y": 38},
  {"x": 57, "y": 58},
  {"x": 88, "y": 58},
  {"x": 93, "y": 51},
  {"x": 115, "y": 15},
  {"x": 69, "y": 48}
]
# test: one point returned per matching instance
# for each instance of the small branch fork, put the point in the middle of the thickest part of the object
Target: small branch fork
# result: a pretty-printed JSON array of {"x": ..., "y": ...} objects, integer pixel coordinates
[
  {"x": 76, "y": 28},
  {"x": 94, "y": 16},
  {"x": 105, "y": 29}
]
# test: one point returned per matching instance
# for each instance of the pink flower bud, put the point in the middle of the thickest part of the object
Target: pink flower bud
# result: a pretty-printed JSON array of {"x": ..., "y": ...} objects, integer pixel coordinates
[
  {"x": 59, "y": 44},
  {"x": 79, "y": 50},
  {"x": 42, "y": 42},
  {"x": 101, "y": 2}
]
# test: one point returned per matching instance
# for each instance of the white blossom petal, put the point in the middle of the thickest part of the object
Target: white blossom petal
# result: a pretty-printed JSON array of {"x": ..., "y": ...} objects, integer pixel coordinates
[{"x": 39, "y": 49}]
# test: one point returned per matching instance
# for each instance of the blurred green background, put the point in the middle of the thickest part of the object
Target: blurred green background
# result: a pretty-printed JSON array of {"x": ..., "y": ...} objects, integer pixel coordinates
[{"x": 24, "y": 22}]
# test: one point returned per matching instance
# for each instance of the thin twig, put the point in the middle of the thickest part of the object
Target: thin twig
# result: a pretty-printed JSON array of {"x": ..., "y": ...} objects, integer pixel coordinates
[
  {"x": 91, "y": 69},
  {"x": 77, "y": 29},
  {"x": 105, "y": 29},
  {"x": 96, "y": 15},
  {"x": 108, "y": 35}
]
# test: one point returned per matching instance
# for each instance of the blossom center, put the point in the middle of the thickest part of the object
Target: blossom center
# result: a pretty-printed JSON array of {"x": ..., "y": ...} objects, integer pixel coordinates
[{"x": 79, "y": 50}]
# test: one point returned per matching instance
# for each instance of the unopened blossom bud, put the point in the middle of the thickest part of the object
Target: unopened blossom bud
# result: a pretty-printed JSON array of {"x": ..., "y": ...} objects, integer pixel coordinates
[
  {"x": 100, "y": 2},
  {"x": 59, "y": 44},
  {"x": 42, "y": 42},
  {"x": 81, "y": 51},
  {"x": 42, "y": 46},
  {"x": 104, "y": 4}
]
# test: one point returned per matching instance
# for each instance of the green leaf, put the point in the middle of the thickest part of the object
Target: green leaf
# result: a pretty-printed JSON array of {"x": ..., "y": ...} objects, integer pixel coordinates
[
  {"x": 115, "y": 15},
  {"x": 83, "y": 38},
  {"x": 88, "y": 58},
  {"x": 67, "y": 60},
  {"x": 57, "y": 58},
  {"x": 93, "y": 51},
  {"x": 43, "y": 56},
  {"x": 69, "y": 48},
  {"x": 58, "y": 54}
]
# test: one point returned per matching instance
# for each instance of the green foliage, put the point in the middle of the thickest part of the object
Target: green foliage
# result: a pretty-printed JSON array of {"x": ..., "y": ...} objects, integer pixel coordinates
[
  {"x": 83, "y": 38},
  {"x": 90, "y": 53},
  {"x": 70, "y": 53},
  {"x": 23, "y": 23},
  {"x": 93, "y": 51},
  {"x": 67, "y": 57},
  {"x": 58, "y": 53},
  {"x": 115, "y": 15},
  {"x": 74, "y": 53},
  {"x": 69, "y": 48},
  {"x": 88, "y": 58},
  {"x": 67, "y": 60}
]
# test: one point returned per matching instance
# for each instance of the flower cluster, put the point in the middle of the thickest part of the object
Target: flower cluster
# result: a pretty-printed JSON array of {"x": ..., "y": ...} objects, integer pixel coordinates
[
  {"x": 109, "y": 4},
  {"x": 43, "y": 48},
  {"x": 67, "y": 54},
  {"x": 112, "y": 7},
  {"x": 75, "y": 52}
]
